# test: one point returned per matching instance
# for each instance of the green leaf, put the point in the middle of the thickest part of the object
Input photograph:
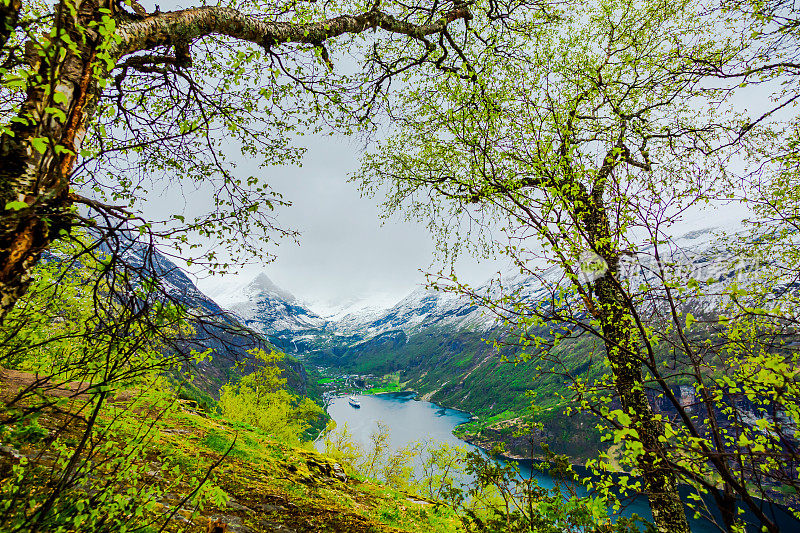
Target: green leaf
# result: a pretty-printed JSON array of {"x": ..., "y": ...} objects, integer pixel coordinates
[
  {"x": 39, "y": 144},
  {"x": 16, "y": 206},
  {"x": 59, "y": 97}
]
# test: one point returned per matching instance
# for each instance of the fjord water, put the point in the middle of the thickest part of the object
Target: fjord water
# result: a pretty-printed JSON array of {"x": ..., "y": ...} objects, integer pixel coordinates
[{"x": 410, "y": 420}]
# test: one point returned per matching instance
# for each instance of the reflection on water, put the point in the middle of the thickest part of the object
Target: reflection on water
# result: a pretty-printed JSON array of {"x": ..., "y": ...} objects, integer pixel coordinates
[{"x": 411, "y": 421}]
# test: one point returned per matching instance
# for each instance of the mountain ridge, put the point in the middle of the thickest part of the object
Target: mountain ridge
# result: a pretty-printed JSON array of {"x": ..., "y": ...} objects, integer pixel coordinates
[
  {"x": 443, "y": 345},
  {"x": 276, "y": 312}
]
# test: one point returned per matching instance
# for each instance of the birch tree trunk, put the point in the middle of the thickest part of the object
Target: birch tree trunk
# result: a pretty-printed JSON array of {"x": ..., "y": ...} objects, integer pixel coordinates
[
  {"x": 618, "y": 328},
  {"x": 39, "y": 151},
  {"x": 660, "y": 483}
]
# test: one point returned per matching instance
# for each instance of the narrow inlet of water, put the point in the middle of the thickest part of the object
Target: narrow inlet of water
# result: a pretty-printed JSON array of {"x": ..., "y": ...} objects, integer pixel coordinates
[{"x": 410, "y": 421}]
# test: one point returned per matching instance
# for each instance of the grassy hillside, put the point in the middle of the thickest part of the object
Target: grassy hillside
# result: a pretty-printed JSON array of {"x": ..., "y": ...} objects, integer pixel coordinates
[{"x": 195, "y": 469}]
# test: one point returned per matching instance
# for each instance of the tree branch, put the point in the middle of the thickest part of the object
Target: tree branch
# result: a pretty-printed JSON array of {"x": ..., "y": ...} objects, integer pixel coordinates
[{"x": 190, "y": 24}]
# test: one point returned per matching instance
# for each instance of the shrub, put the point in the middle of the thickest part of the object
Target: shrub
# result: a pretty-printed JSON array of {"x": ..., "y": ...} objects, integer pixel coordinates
[{"x": 260, "y": 400}]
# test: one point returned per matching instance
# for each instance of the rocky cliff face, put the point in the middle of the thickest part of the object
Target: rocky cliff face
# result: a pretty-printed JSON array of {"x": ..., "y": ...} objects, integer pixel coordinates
[{"x": 227, "y": 334}]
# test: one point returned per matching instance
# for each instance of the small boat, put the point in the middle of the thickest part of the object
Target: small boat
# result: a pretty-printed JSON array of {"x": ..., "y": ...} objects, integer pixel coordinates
[{"x": 352, "y": 401}]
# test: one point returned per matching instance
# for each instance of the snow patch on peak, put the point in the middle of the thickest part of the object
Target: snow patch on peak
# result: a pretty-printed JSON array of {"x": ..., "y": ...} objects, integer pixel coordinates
[
  {"x": 234, "y": 290},
  {"x": 371, "y": 304},
  {"x": 263, "y": 286},
  {"x": 264, "y": 306}
]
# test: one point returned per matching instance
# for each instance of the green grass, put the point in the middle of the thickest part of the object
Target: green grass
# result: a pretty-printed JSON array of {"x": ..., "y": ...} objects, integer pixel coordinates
[
  {"x": 259, "y": 467},
  {"x": 324, "y": 381},
  {"x": 391, "y": 387},
  {"x": 218, "y": 443}
]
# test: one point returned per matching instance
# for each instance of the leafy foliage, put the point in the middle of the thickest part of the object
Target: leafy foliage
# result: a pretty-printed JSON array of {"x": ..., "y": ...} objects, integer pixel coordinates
[
  {"x": 573, "y": 155},
  {"x": 94, "y": 370},
  {"x": 260, "y": 400},
  {"x": 489, "y": 494}
]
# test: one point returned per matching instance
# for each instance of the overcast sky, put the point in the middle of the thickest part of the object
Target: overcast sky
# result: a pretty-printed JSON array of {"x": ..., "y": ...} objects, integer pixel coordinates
[{"x": 344, "y": 251}]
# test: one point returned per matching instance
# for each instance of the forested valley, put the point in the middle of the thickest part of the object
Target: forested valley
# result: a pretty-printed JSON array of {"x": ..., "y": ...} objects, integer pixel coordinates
[{"x": 638, "y": 345}]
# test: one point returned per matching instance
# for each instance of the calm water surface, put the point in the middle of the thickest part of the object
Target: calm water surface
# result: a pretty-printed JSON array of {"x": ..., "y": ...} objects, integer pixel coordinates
[{"x": 410, "y": 420}]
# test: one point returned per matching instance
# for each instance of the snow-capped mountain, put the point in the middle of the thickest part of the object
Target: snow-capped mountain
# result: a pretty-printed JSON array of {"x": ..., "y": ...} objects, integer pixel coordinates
[
  {"x": 692, "y": 254},
  {"x": 369, "y": 304},
  {"x": 426, "y": 307},
  {"x": 410, "y": 312},
  {"x": 270, "y": 309},
  {"x": 277, "y": 313},
  {"x": 274, "y": 311}
]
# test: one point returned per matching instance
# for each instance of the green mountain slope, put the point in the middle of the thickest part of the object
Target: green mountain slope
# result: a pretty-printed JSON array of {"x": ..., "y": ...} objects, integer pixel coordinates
[{"x": 461, "y": 370}]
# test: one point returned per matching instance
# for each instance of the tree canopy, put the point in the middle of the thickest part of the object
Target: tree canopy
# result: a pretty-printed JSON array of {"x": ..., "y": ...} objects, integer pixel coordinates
[
  {"x": 573, "y": 136},
  {"x": 101, "y": 99},
  {"x": 579, "y": 140}
]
